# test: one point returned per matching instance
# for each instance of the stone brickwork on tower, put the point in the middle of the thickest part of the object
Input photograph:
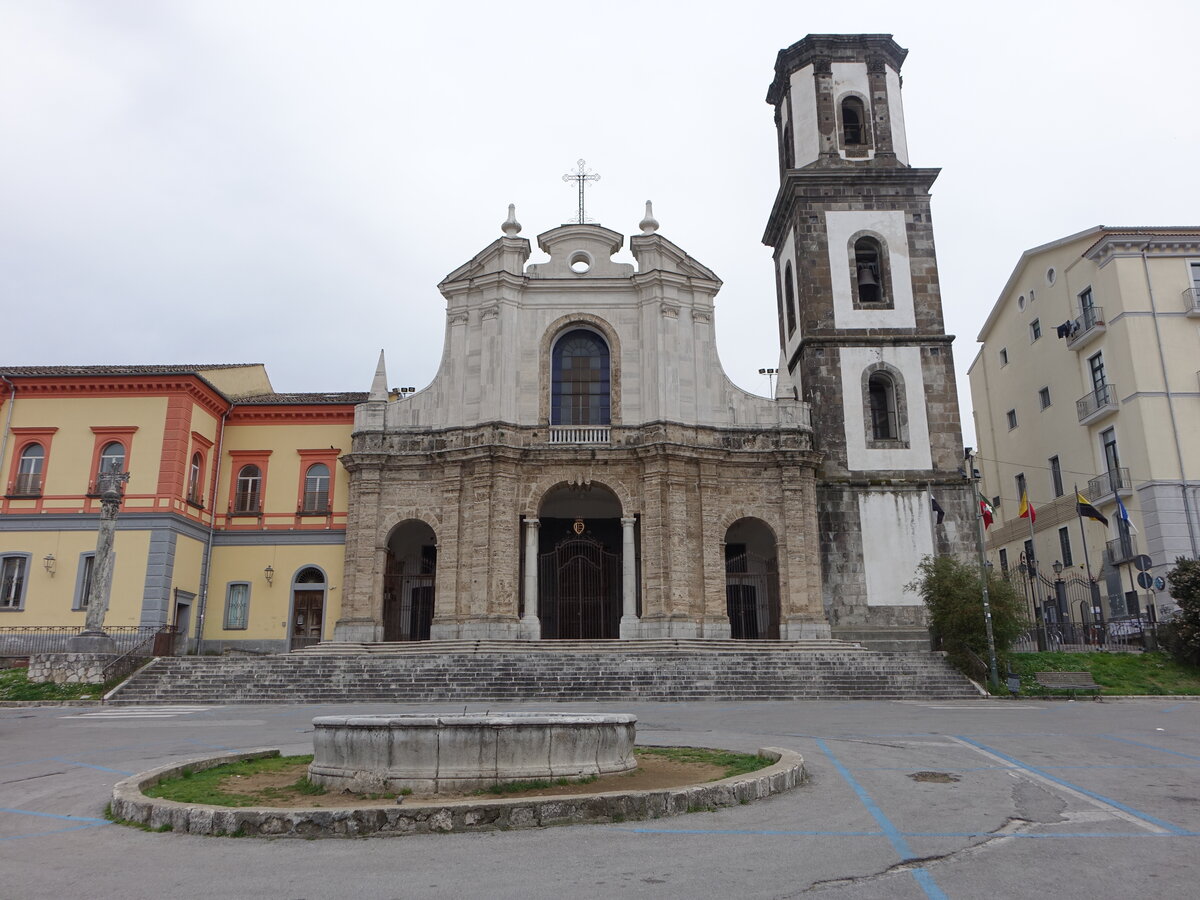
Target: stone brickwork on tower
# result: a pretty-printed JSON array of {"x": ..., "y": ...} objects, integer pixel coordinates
[{"x": 861, "y": 330}]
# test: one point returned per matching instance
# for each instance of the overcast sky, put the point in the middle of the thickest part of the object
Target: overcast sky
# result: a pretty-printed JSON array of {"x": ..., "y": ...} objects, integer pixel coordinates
[{"x": 286, "y": 182}]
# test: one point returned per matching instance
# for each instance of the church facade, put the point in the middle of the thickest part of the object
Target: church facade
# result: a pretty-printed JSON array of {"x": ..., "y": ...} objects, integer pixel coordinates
[{"x": 581, "y": 467}]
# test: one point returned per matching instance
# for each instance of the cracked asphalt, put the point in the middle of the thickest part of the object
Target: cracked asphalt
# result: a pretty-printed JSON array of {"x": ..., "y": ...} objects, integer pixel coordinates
[{"x": 988, "y": 798}]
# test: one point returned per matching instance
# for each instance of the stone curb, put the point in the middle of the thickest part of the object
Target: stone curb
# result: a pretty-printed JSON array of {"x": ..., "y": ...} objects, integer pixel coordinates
[
  {"x": 18, "y": 704},
  {"x": 466, "y": 815}
]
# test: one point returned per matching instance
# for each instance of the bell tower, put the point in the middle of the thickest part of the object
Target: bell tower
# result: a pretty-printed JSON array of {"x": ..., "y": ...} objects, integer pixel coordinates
[{"x": 861, "y": 332}]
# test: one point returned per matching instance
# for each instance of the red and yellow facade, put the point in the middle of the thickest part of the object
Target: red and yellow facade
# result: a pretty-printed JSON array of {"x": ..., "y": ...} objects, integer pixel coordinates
[{"x": 235, "y": 505}]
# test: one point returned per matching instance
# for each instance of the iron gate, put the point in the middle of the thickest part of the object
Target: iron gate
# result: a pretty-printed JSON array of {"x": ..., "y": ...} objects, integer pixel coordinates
[
  {"x": 407, "y": 606},
  {"x": 579, "y": 591},
  {"x": 752, "y": 597}
]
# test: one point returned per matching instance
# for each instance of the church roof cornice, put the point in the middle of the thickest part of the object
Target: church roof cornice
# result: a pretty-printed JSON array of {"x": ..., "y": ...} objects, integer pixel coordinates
[
  {"x": 832, "y": 48},
  {"x": 799, "y": 181}
]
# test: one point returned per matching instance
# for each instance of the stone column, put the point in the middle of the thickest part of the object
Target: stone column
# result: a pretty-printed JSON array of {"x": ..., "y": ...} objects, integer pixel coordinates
[
  {"x": 93, "y": 639},
  {"x": 531, "y": 626},
  {"x": 629, "y": 618}
]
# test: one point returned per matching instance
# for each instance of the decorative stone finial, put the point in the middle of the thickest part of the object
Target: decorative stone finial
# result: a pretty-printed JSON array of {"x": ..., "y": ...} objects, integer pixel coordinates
[
  {"x": 649, "y": 225},
  {"x": 379, "y": 388},
  {"x": 511, "y": 226}
]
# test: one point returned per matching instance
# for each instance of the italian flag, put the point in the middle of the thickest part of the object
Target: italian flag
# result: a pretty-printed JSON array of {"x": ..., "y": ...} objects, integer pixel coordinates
[{"x": 985, "y": 509}]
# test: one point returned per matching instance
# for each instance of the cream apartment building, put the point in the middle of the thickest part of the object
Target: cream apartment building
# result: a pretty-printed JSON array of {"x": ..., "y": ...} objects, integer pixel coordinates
[{"x": 1088, "y": 378}]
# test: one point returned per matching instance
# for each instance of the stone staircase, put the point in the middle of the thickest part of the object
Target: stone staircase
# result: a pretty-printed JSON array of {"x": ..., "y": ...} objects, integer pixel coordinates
[{"x": 460, "y": 671}]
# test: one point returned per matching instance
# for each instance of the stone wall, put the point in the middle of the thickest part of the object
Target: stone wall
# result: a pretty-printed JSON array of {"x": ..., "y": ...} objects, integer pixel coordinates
[
  {"x": 685, "y": 484},
  {"x": 70, "y": 668}
]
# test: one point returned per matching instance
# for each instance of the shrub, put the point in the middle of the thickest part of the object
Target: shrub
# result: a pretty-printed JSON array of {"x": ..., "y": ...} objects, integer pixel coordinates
[
  {"x": 953, "y": 595},
  {"x": 1181, "y": 636}
]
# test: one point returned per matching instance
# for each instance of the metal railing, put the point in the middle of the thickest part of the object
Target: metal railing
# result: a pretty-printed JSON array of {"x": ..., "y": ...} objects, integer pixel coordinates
[
  {"x": 160, "y": 642},
  {"x": 1103, "y": 397},
  {"x": 315, "y": 503},
  {"x": 579, "y": 434},
  {"x": 1090, "y": 319},
  {"x": 247, "y": 504},
  {"x": 28, "y": 484},
  {"x": 1109, "y": 483},
  {"x": 22, "y": 640},
  {"x": 1191, "y": 300},
  {"x": 1121, "y": 550}
]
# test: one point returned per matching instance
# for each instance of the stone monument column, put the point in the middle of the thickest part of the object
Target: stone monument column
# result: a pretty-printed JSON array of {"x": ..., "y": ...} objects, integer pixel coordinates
[
  {"x": 531, "y": 626},
  {"x": 630, "y": 626},
  {"x": 92, "y": 639}
]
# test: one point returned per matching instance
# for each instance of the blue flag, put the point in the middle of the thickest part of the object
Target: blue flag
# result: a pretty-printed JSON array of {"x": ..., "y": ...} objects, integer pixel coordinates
[{"x": 1123, "y": 514}]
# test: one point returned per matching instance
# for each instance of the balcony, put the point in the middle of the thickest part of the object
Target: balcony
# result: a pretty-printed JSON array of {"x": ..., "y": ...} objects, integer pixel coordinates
[
  {"x": 1099, "y": 403},
  {"x": 315, "y": 503},
  {"x": 579, "y": 434},
  {"x": 1120, "y": 551},
  {"x": 1085, "y": 329},
  {"x": 27, "y": 484},
  {"x": 246, "y": 504},
  {"x": 1191, "y": 302},
  {"x": 1102, "y": 486}
]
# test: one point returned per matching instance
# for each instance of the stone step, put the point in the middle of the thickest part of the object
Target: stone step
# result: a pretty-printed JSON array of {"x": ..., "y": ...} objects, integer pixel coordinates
[{"x": 481, "y": 671}]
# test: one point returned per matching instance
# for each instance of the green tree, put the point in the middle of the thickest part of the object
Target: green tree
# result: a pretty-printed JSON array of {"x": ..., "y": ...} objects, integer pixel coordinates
[
  {"x": 954, "y": 597},
  {"x": 1181, "y": 636}
]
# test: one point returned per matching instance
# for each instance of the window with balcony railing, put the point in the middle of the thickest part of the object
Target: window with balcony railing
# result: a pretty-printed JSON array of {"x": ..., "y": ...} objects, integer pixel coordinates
[
  {"x": 1108, "y": 483},
  {"x": 314, "y": 503},
  {"x": 28, "y": 484},
  {"x": 1103, "y": 397}
]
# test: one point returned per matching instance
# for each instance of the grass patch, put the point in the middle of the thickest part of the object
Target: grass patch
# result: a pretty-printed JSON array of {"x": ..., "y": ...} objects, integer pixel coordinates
[
  {"x": 1147, "y": 674},
  {"x": 15, "y": 685},
  {"x": 732, "y": 763},
  {"x": 207, "y": 786}
]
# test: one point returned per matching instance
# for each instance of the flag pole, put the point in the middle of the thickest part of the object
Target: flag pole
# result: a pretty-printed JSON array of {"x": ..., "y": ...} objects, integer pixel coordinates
[
  {"x": 1093, "y": 588},
  {"x": 973, "y": 474}
]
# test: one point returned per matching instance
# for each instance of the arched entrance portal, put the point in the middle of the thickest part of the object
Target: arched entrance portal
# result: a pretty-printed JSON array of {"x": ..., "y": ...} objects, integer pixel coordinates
[
  {"x": 752, "y": 581},
  {"x": 579, "y": 566},
  {"x": 409, "y": 581},
  {"x": 308, "y": 608}
]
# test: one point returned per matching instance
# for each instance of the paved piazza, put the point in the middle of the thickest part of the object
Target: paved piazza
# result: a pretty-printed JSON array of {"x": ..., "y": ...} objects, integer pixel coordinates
[{"x": 1019, "y": 799}]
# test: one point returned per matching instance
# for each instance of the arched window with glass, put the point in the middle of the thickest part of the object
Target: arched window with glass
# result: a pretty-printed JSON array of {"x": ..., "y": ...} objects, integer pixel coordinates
[
  {"x": 316, "y": 490},
  {"x": 580, "y": 389},
  {"x": 29, "y": 470},
  {"x": 247, "y": 496},
  {"x": 112, "y": 458},
  {"x": 195, "y": 480}
]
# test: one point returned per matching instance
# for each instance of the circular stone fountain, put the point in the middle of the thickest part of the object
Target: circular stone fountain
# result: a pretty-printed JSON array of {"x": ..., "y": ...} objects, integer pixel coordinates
[{"x": 431, "y": 754}]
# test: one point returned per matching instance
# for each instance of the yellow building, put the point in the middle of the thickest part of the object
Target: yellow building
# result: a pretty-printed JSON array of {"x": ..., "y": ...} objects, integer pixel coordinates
[
  {"x": 233, "y": 522},
  {"x": 1087, "y": 379}
]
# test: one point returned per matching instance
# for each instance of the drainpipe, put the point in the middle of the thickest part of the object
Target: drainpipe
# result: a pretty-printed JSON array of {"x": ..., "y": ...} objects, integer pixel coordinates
[
  {"x": 1183, "y": 485},
  {"x": 12, "y": 401},
  {"x": 202, "y": 606}
]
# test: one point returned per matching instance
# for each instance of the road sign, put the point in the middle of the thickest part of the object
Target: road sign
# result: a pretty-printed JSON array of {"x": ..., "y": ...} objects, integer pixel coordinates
[
  {"x": 1145, "y": 580},
  {"x": 1160, "y": 583},
  {"x": 1142, "y": 562}
]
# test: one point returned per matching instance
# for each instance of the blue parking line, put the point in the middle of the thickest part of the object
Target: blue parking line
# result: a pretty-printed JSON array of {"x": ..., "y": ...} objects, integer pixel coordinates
[
  {"x": 1174, "y": 707},
  {"x": 44, "y": 815},
  {"x": 895, "y": 838},
  {"x": 72, "y": 762},
  {"x": 1109, "y": 737},
  {"x": 1145, "y": 817}
]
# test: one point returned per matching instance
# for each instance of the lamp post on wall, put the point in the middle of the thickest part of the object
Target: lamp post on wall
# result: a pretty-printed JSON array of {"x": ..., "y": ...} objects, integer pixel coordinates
[{"x": 110, "y": 484}]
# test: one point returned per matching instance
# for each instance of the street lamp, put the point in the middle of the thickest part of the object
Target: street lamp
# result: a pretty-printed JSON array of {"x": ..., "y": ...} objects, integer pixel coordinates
[{"x": 770, "y": 373}]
